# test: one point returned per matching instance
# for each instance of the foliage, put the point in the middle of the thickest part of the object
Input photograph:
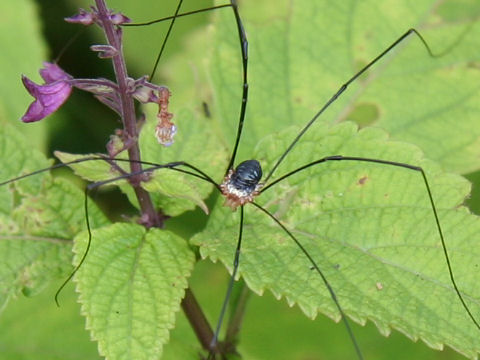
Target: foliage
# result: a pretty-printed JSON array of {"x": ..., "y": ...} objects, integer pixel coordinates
[{"x": 369, "y": 227}]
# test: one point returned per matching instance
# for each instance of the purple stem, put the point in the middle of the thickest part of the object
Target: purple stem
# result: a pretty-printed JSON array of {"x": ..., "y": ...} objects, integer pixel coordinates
[{"x": 113, "y": 33}]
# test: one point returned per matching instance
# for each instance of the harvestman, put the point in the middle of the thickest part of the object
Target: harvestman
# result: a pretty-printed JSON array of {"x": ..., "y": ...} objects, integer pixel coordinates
[{"x": 242, "y": 184}]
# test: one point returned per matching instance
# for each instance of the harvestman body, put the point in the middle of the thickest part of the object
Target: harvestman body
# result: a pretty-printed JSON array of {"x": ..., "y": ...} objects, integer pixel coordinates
[{"x": 241, "y": 185}]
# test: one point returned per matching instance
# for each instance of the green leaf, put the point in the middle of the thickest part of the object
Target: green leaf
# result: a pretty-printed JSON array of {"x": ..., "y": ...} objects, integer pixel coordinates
[
  {"x": 303, "y": 51},
  {"x": 170, "y": 185},
  {"x": 371, "y": 230},
  {"x": 130, "y": 286},
  {"x": 39, "y": 217}
]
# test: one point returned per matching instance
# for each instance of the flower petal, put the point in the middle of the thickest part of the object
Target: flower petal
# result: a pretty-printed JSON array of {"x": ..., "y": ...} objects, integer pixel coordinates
[
  {"x": 119, "y": 18},
  {"x": 48, "y": 97},
  {"x": 83, "y": 17},
  {"x": 52, "y": 72}
]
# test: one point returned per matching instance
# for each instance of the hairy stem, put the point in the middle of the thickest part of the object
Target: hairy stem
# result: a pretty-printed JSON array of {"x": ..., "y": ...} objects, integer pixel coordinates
[
  {"x": 151, "y": 218},
  {"x": 114, "y": 38}
]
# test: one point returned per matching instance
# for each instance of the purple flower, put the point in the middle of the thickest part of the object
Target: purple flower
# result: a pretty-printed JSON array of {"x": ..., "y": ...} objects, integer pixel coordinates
[
  {"x": 104, "y": 51},
  {"x": 119, "y": 19},
  {"x": 83, "y": 17},
  {"x": 50, "y": 96}
]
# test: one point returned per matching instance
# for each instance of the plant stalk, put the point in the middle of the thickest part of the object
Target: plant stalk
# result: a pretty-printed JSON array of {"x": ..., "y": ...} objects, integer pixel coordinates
[{"x": 113, "y": 34}]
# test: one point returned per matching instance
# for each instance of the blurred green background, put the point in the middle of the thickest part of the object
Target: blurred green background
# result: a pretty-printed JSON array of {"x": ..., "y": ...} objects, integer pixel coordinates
[{"x": 34, "y": 328}]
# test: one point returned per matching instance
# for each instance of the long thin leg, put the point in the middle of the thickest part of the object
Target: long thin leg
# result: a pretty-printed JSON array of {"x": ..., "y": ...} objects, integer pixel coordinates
[
  {"x": 171, "y": 166},
  {"x": 84, "y": 256},
  {"x": 430, "y": 196},
  {"x": 154, "y": 166},
  {"x": 322, "y": 275},
  {"x": 343, "y": 88},
  {"x": 177, "y": 16},
  {"x": 236, "y": 260},
  {"x": 56, "y": 166},
  {"x": 164, "y": 43},
  {"x": 243, "y": 108}
]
